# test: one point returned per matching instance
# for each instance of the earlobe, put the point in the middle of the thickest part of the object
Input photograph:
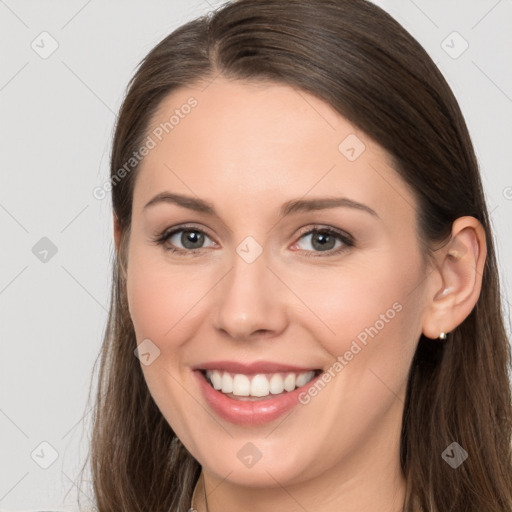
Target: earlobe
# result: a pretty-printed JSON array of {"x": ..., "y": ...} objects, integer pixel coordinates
[{"x": 460, "y": 265}]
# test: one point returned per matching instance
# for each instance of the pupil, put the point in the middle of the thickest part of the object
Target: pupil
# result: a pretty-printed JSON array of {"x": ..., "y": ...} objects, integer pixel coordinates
[
  {"x": 192, "y": 237},
  {"x": 324, "y": 240}
]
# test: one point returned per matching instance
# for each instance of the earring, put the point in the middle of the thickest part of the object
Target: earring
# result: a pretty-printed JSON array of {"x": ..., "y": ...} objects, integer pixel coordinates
[{"x": 443, "y": 336}]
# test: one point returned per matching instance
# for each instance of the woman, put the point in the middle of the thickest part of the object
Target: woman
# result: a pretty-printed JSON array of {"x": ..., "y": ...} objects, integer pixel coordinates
[{"x": 305, "y": 310}]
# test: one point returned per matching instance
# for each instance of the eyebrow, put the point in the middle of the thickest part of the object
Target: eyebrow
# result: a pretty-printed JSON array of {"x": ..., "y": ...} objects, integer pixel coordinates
[{"x": 288, "y": 208}]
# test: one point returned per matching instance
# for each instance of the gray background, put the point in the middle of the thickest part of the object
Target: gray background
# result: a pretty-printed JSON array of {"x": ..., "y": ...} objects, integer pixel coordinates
[{"x": 57, "y": 119}]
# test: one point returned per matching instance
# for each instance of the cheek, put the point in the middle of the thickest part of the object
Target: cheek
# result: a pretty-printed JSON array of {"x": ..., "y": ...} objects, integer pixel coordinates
[
  {"x": 145, "y": 303},
  {"x": 165, "y": 298},
  {"x": 156, "y": 304},
  {"x": 366, "y": 315},
  {"x": 153, "y": 296},
  {"x": 347, "y": 301}
]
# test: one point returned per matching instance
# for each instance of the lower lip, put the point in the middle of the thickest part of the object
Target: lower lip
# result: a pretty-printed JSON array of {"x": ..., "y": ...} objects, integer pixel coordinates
[{"x": 245, "y": 412}]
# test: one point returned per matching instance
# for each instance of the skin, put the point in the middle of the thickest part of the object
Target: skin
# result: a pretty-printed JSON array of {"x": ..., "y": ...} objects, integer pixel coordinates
[{"x": 248, "y": 148}]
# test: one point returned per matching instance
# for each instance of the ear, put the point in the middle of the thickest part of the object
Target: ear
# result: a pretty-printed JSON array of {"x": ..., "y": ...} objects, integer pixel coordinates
[
  {"x": 457, "y": 280},
  {"x": 117, "y": 232}
]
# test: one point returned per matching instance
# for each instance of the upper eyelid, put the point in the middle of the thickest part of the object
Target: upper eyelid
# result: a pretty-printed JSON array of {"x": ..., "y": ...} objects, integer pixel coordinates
[
  {"x": 172, "y": 231},
  {"x": 321, "y": 227}
]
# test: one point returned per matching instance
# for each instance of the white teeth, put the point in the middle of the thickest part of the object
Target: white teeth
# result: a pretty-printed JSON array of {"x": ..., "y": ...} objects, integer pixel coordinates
[
  {"x": 276, "y": 384},
  {"x": 289, "y": 382},
  {"x": 241, "y": 385},
  {"x": 216, "y": 379},
  {"x": 301, "y": 379},
  {"x": 227, "y": 383},
  {"x": 260, "y": 385}
]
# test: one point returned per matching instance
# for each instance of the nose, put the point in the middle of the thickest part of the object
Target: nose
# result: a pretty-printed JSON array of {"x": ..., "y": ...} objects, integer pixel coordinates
[{"x": 250, "y": 301}]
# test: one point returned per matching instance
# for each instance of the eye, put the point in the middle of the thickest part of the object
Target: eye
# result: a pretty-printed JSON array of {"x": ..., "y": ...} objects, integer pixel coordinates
[
  {"x": 323, "y": 240},
  {"x": 190, "y": 237}
]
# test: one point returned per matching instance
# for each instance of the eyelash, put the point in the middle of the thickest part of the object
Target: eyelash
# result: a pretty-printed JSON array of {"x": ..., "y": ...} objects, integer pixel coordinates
[{"x": 347, "y": 240}]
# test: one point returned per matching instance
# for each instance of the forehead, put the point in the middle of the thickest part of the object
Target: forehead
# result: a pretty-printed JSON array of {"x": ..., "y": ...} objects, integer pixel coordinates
[{"x": 248, "y": 139}]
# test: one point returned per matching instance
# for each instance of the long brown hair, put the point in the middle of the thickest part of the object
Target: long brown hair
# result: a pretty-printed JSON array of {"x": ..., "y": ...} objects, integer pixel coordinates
[{"x": 358, "y": 59}]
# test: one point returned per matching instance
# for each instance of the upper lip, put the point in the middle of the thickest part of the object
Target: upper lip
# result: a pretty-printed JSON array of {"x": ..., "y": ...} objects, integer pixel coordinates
[{"x": 254, "y": 367}]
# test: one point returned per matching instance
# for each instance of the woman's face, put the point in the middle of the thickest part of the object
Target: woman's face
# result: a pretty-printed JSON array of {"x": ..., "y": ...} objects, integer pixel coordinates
[{"x": 253, "y": 289}]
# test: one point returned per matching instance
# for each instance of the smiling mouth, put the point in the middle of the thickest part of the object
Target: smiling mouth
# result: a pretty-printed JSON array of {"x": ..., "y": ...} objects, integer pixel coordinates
[{"x": 242, "y": 386}]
